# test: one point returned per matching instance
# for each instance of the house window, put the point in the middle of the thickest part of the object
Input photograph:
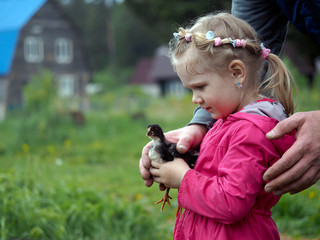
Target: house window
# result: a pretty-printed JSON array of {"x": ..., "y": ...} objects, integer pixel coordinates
[
  {"x": 63, "y": 50},
  {"x": 33, "y": 49},
  {"x": 66, "y": 86},
  {"x": 175, "y": 88}
]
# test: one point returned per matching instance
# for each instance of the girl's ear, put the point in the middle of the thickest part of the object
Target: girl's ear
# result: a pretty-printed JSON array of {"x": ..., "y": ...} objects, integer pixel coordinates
[{"x": 238, "y": 71}]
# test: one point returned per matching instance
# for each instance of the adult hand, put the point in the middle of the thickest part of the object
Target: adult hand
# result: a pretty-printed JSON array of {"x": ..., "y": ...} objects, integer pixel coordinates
[
  {"x": 187, "y": 137},
  {"x": 299, "y": 167},
  {"x": 145, "y": 164}
]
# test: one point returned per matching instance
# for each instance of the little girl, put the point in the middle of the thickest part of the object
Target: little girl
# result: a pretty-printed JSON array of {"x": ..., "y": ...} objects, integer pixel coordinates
[{"x": 220, "y": 58}]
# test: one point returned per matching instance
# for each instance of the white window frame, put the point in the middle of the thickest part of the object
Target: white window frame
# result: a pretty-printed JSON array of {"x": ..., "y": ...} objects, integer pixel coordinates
[
  {"x": 66, "y": 85},
  {"x": 175, "y": 88},
  {"x": 63, "y": 50},
  {"x": 33, "y": 49}
]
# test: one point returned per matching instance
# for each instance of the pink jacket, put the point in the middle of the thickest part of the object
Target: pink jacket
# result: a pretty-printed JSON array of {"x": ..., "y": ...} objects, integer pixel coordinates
[{"x": 223, "y": 196}]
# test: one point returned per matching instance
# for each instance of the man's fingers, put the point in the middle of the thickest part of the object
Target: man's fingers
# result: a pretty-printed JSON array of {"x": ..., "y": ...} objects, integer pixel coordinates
[
  {"x": 308, "y": 179},
  {"x": 295, "y": 174},
  {"x": 184, "y": 143},
  {"x": 279, "y": 184},
  {"x": 182, "y": 140},
  {"x": 299, "y": 167},
  {"x": 288, "y": 159},
  {"x": 285, "y": 126},
  {"x": 145, "y": 174},
  {"x": 144, "y": 165},
  {"x": 162, "y": 187},
  {"x": 148, "y": 182},
  {"x": 144, "y": 156},
  {"x": 188, "y": 137}
]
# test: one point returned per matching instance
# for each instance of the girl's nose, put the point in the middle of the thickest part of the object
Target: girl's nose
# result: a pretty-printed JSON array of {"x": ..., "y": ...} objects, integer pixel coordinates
[{"x": 196, "y": 99}]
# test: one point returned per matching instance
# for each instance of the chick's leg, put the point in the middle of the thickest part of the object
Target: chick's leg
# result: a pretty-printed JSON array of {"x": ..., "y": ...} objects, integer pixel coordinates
[
  {"x": 166, "y": 198},
  {"x": 179, "y": 211}
]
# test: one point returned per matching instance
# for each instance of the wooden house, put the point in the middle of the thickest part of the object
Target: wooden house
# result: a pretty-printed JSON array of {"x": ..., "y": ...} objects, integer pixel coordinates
[
  {"x": 157, "y": 77},
  {"x": 37, "y": 35}
]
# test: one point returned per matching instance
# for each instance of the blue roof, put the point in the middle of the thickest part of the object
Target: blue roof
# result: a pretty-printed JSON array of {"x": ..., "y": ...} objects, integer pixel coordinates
[{"x": 14, "y": 14}]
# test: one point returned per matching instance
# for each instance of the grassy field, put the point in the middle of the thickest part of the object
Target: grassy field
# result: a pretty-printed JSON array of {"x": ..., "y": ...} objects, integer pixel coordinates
[{"x": 59, "y": 180}]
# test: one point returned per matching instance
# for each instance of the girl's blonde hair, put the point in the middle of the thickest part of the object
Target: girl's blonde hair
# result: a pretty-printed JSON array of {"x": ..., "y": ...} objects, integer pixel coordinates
[{"x": 199, "y": 52}]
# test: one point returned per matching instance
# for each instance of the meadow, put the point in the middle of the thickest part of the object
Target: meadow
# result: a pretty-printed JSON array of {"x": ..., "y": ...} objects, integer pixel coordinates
[{"x": 60, "y": 180}]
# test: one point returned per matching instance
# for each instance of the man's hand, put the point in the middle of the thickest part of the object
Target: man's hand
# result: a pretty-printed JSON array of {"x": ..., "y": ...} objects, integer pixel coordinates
[
  {"x": 299, "y": 167},
  {"x": 186, "y": 138},
  {"x": 144, "y": 165}
]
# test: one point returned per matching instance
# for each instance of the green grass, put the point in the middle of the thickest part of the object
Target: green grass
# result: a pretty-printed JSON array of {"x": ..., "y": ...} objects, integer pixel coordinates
[{"x": 63, "y": 181}]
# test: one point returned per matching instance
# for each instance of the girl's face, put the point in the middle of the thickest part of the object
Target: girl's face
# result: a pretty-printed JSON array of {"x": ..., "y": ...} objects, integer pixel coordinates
[{"x": 215, "y": 93}]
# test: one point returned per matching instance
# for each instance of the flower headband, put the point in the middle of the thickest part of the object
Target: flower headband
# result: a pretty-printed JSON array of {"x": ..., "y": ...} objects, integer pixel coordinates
[{"x": 265, "y": 52}]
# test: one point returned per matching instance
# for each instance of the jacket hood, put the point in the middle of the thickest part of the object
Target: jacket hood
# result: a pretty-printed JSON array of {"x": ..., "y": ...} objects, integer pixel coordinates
[
  {"x": 266, "y": 107},
  {"x": 265, "y": 114}
]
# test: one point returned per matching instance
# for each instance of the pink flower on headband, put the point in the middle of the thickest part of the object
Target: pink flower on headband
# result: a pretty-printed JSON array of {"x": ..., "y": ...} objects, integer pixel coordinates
[
  {"x": 217, "y": 41},
  {"x": 188, "y": 37},
  {"x": 265, "y": 52},
  {"x": 240, "y": 43}
]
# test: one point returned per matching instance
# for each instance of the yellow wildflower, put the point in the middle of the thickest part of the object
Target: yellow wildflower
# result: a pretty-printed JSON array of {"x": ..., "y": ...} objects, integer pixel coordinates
[
  {"x": 51, "y": 149},
  {"x": 67, "y": 143},
  {"x": 25, "y": 148},
  {"x": 138, "y": 196},
  {"x": 312, "y": 194}
]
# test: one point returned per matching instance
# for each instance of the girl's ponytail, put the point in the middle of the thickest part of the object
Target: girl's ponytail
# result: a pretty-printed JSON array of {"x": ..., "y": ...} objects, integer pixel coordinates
[{"x": 279, "y": 82}]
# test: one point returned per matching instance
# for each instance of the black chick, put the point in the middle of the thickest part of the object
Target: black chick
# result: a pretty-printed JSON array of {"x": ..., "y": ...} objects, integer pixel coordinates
[{"x": 163, "y": 151}]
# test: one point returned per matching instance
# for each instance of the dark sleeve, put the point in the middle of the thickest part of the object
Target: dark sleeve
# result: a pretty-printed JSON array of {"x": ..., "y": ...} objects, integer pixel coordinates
[
  {"x": 201, "y": 116},
  {"x": 304, "y": 14},
  {"x": 267, "y": 18}
]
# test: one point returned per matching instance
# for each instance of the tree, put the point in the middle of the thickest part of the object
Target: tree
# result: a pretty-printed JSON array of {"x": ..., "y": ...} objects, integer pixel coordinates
[
  {"x": 161, "y": 16},
  {"x": 133, "y": 39},
  {"x": 164, "y": 17},
  {"x": 114, "y": 36},
  {"x": 89, "y": 17}
]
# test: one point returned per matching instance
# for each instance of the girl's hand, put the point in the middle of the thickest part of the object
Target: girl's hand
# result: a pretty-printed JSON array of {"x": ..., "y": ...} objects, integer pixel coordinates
[
  {"x": 170, "y": 174},
  {"x": 187, "y": 137}
]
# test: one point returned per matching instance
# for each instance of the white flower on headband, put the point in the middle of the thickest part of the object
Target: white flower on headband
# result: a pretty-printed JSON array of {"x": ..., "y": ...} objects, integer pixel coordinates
[
  {"x": 210, "y": 35},
  {"x": 176, "y": 36},
  {"x": 233, "y": 42}
]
